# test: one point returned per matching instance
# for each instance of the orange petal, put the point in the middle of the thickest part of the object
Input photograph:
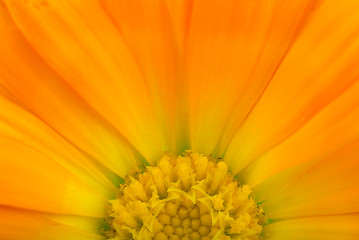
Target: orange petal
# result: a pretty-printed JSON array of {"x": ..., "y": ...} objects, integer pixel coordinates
[
  {"x": 18, "y": 124},
  {"x": 156, "y": 35},
  {"x": 30, "y": 179},
  {"x": 323, "y": 187},
  {"x": 16, "y": 224},
  {"x": 319, "y": 67},
  {"x": 341, "y": 227},
  {"x": 179, "y": 14},
  {"x": 332, "y": 128},
  {"x": 234, "y": 48},
  {"x": 86, "y": 224},
  {"x": 80, "y": 42},
  {"x": 43, "y": 91}
]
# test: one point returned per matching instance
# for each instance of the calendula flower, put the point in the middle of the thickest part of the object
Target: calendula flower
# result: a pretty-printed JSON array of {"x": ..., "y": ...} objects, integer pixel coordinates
[{"x": 179, "y": 119}]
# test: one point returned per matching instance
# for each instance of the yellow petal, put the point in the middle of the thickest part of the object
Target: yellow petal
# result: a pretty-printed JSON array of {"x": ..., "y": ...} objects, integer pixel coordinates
[
  {"x": 17, "y": 224},
  {"x": 234, "y": 48},
  {"x": 320, "y": 66},
  {"x": 340, "y": 227}
]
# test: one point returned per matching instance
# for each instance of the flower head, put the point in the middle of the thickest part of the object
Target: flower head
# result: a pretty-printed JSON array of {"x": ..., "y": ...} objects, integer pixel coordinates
[{"x": 93, "y": 94}]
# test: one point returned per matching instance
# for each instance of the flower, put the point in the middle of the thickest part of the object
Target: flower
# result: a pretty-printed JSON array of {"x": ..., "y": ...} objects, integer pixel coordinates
[{"x": 90, "y": 90}]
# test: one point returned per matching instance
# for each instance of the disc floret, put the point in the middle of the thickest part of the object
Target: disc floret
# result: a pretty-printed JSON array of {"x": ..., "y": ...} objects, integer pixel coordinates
[{"x": 184, "y": 197}]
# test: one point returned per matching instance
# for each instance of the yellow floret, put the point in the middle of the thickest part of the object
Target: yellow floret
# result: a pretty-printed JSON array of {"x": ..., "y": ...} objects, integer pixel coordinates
[{"x": 184, "y": 197}]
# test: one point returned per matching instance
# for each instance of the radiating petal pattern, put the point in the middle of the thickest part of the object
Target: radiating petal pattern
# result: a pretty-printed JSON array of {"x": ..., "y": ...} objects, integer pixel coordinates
[
  {"x": 331, "y": 129},
  {"x": 318, "y": 68},
  {"x": 91, "y": 91},
  {"x": 158, "y": 50},
  {"x": 20, "y": 125},
  {"x": 46, "y": 94},
  {"x": 235, "y": 48}
]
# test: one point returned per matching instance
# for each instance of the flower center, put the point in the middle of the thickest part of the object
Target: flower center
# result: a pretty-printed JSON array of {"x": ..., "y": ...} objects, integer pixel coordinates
[{"x": 184, "y": 197}]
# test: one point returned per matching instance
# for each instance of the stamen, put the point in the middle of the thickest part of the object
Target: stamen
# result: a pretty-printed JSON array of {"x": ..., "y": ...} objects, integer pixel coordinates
[{"x": 184, "y": 197}]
